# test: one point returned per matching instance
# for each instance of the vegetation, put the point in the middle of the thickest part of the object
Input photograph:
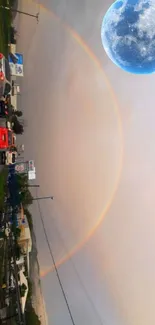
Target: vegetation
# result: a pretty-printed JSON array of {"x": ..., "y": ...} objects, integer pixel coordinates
[
  {"x": 7, "y": 34},
  {"x": 31, "y": 317},
  {"x": 26, "y": 198},
  {"x": 17, "y": 251},
  {"x": 23, "y": 289},
  {"x": 5, "y": 25},
  {"x": 15, "y": 112},
  {"x": 18, "y": 113},
  {"x": 29, "y": 295},
  {"x": 1, "y": 261},
  {"x": 13, "y": 33},
  {"x": 16, "y": 231},
  {"x": 17, "y": 126},
  {"x": 25, "y": 195},
  {"x": 3, "y": 180}
]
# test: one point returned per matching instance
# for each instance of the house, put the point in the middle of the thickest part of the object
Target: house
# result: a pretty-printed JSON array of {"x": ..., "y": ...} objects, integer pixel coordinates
[
  {"x": 24, "y": 240},
  {"x": 23, "y": 280}
]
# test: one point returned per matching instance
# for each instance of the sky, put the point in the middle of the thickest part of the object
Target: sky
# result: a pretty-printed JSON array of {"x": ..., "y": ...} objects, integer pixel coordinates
[{"x": 90, "y": 129}]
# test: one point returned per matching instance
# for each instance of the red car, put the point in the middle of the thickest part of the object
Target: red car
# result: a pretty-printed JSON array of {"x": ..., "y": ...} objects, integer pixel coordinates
[{"x": 7, "y": 139}]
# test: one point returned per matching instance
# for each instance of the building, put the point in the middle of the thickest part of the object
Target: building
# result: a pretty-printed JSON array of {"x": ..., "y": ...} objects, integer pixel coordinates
[
  {"x": 15, "y": 87},
  {"x": 25, "y": 243},
  {"x": 24, "y": 240},
  {"x": 23, "y": 280}
]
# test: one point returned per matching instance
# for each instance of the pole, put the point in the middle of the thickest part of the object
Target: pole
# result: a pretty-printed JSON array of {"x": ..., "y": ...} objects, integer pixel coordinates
[
  {"x": 35, "y": 185},
  {"x": 27, "y": 14},
  {"x": 43, "y": 198},
  {"x": 21, "y": 12}
]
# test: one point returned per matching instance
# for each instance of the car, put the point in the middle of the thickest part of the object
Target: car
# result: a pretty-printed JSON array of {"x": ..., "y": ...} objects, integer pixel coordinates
[
  {"x": 10, "y": 157},
  {"x": 3, "y": 109},
  {"x": 7, "y": 139},
  {"x": 5, "y": 76}
]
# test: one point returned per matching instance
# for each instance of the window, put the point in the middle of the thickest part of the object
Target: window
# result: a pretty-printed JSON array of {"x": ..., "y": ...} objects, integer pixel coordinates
[
  {"x": 13, "y": 158},
  {"x": 7, "y": 89}
]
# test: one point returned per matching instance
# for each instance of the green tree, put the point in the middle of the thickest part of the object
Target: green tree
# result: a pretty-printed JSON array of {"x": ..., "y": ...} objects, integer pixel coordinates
[
  {"x": 18, "y": 231},
  {"x": 25, "y": 196},
  {"x": 22, "y": 180},
  {"x": 18, "y": 113},
  {"x": 17, "y": 126},
  {"x": 17, "y": 251},
  {"x": 23, "y": 288}
]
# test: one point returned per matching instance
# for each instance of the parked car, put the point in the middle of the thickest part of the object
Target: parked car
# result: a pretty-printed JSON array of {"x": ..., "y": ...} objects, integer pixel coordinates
[
  {"x": 5, "y": 76},
  {"x": 7, "y": 139},
  {"x": 3, "y": 109},
  {"x": 10, "y": 157}
]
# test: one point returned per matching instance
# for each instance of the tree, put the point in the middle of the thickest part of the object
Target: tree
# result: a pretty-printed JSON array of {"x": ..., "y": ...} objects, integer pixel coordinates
[
  {"x": 23, "y": 288},
  {"x": 25, "y": 195},
  {"x": 18, "y": 113},
  {"x": 17, "y": 251},
  {"x": 13, "y": 34},
  {"x": 22, "y": 181},
  {"x": 17, "y": 126},
  {"x": 26, "y": 198}
]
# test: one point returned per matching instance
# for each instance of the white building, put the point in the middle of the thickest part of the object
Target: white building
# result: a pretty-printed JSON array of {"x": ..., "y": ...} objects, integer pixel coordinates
[{"x": 24, "y": 241}]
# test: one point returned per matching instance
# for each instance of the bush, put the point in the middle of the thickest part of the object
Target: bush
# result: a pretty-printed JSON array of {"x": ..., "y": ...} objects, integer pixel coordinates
[
  {"x": 26, "y": 198},
  {"x": 23, "y": 288},
  {"x": 17, "y": 126},
  {"x": 17, "y": 251},
  {"x": 16, "y": 231},
  {"x": 18, "y": 113},
  {"x": 29, "y": 295},
  {"x": 13, "y": 33},
  {"x": 31, "y": 317}
]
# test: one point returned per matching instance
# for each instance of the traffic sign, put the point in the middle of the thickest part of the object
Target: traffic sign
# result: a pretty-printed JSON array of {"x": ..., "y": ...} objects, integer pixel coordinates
[
  {"x": 17, "y": 68},
  {"x": 20, "y": 167},
  {"x": 31, "y": 165}
]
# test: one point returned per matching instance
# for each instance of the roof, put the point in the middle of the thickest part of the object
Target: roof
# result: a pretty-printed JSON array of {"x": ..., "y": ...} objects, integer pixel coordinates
[{"x": 23, "y": 280}]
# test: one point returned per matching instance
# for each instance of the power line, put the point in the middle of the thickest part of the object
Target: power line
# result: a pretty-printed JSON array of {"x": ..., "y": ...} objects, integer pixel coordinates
[
  {"x": 53, "y": 260},
  {"x": 101, "y": 322}
]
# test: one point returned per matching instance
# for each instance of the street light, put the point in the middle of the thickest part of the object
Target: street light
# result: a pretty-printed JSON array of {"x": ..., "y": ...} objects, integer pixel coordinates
[
  {"x": 21, "y": 12},
  {"x": 26, "y": 13},
  {"x": 43, "y": 198}
]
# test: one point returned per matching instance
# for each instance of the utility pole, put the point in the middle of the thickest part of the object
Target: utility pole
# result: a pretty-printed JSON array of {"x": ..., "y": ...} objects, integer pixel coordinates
[
  {"x": 35, "y": 185},
  {"x": 43, "y": 198},
  {"x": 27, "y": 14},
  {"x": 22, "y": 12}
]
